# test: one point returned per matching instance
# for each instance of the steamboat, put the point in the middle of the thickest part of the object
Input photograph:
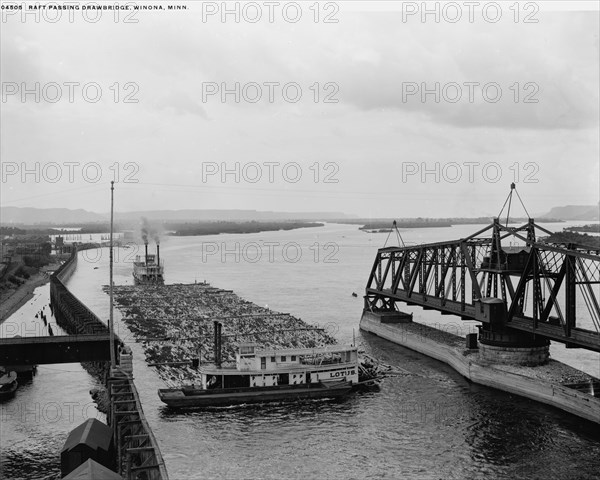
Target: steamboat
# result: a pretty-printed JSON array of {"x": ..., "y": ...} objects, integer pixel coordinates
[
  {"x": 267, "y": 375},
  {"x": 148, "y": 269}
]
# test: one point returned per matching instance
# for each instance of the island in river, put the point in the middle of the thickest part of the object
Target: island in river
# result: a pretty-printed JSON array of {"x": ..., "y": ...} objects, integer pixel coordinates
[{"x": 215, "y": 228}]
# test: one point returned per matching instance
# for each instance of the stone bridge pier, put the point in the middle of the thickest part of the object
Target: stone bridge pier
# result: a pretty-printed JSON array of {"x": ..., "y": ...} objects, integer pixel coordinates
[{"x": 501, "y": 344}]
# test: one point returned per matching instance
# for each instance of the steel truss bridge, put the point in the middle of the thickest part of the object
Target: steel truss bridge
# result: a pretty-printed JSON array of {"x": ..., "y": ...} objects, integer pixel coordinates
[{"x": 548, "y": 291}]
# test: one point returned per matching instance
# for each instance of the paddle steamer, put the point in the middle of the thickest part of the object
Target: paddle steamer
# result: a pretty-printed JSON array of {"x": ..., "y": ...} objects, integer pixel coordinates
[
  {"x": 266, "y": 375},
  {"x": 147, "y": 269}
]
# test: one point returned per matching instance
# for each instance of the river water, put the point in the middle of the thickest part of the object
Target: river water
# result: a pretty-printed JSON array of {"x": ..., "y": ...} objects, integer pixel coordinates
[{"x": 429, "y": 423}]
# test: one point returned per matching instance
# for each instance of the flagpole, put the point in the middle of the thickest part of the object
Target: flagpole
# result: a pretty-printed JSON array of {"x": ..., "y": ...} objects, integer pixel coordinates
[{"x": 111, "y": 320}]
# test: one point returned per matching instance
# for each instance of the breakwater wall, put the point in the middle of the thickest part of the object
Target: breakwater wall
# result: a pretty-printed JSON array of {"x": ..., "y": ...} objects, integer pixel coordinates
[
  {"x": 71, "y": 314},
  {"x": 546, "y": 384}
]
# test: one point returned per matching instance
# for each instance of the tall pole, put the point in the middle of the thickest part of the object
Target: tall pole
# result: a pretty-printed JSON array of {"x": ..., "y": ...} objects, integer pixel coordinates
[{"x": 113, "y": 361}]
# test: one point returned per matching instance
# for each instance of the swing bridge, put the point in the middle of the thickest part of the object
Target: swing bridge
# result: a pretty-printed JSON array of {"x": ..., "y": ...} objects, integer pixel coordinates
[{"x": 522, "y": 293}]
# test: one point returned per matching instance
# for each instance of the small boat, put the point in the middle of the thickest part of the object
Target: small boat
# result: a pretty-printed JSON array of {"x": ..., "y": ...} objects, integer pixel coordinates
[
  {"x": 271, "y": 375},
  {"x": 8, "y": 385},
  {"x": 22, "y": 371},
  {"x": 354, "y": 294}
]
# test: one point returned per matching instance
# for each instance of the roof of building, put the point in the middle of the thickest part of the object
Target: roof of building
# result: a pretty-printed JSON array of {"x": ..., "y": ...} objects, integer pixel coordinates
[
  {"x": 91, "y": 470},
  {"x": 92, "y": 433}
]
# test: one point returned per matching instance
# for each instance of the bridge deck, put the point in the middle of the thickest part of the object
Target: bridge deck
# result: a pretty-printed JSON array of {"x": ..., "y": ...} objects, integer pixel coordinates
[
  {"x": 579, "y": 337},
  {"x": 56, "y": 349}
]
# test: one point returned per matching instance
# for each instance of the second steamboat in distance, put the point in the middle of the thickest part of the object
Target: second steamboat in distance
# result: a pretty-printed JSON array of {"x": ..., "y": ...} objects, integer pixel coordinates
[{"x": 148, "y": 269}]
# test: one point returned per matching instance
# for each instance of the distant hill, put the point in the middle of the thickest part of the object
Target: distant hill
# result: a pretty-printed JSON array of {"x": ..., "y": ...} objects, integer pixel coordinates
[
  {"x": 46, "y": 216},
  {"x": 575, "y": 212},
  {"x": 65, "y": 217},
  {"x": 580, "y": 239},
  {"x": 226, "y": 215}
]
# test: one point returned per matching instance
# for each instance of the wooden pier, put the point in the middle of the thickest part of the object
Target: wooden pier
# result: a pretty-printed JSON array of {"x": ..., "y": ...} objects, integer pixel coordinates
[{"x": 137, "y": 450}]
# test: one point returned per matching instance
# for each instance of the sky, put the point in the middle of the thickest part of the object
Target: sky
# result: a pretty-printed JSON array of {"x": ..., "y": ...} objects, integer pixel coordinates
[{"x": 377, "y": 109}]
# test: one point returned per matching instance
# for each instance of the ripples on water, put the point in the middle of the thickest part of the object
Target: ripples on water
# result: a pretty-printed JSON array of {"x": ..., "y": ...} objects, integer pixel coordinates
[
  {"x": 430, "y": 424},
  {"x": 427, "y": 423}
]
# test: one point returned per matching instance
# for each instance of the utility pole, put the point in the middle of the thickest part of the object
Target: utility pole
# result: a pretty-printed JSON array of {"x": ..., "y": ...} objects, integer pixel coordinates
[{"x": 113, "y": 362}]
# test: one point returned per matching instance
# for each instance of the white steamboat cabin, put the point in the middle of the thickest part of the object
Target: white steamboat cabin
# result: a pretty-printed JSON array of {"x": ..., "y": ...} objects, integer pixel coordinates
[{"x": 273, "y": 367}]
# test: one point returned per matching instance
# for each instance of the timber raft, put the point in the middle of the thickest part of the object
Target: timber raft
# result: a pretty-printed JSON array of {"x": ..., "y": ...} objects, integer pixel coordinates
[
  {"x": 553, "y": 383},
  {"x": 174, "y": 324}
]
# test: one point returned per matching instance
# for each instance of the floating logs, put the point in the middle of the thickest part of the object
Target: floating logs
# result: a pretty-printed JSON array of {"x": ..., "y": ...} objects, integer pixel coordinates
[{"x": 174, "y": 324}]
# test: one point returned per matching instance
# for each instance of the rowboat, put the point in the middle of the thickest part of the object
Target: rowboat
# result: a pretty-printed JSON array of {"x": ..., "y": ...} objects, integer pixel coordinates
[{"x": 8, "y": 385}]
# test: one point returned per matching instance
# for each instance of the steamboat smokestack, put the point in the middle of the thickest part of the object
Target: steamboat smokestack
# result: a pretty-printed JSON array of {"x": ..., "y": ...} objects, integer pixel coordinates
[
  {"x": 158, "y": 254},
  {"x": 217, "y": 342},
  {"x": 220, "y": 345},
  {"x": 146, "y": 257}
]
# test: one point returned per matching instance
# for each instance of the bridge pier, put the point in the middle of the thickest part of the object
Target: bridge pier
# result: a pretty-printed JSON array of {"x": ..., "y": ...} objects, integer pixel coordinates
[
  {"x": 388, "y": 316},
  {"x": 501, "y": 344},
  {"x": 511, "y": 347}
]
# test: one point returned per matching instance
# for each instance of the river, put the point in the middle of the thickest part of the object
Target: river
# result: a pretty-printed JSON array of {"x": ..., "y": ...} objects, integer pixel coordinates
[{"x": 430, "y": 423}]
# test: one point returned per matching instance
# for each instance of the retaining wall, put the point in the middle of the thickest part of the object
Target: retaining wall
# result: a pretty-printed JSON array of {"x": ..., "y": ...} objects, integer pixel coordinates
[{"x": 438, "y": 347}]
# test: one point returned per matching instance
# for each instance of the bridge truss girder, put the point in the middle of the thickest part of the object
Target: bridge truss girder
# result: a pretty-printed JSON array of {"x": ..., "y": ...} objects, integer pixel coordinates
[{"x": 551, "y": 290}]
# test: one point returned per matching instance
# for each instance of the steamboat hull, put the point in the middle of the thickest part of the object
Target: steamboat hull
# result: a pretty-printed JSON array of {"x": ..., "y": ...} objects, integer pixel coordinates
[{"x": 197, "y": 398}]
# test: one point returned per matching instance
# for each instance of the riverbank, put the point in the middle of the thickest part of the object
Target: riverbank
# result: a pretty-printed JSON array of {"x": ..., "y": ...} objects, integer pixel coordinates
[
  {"x": 551, "y": 383},
  {"x": 13, "y": 299}
]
